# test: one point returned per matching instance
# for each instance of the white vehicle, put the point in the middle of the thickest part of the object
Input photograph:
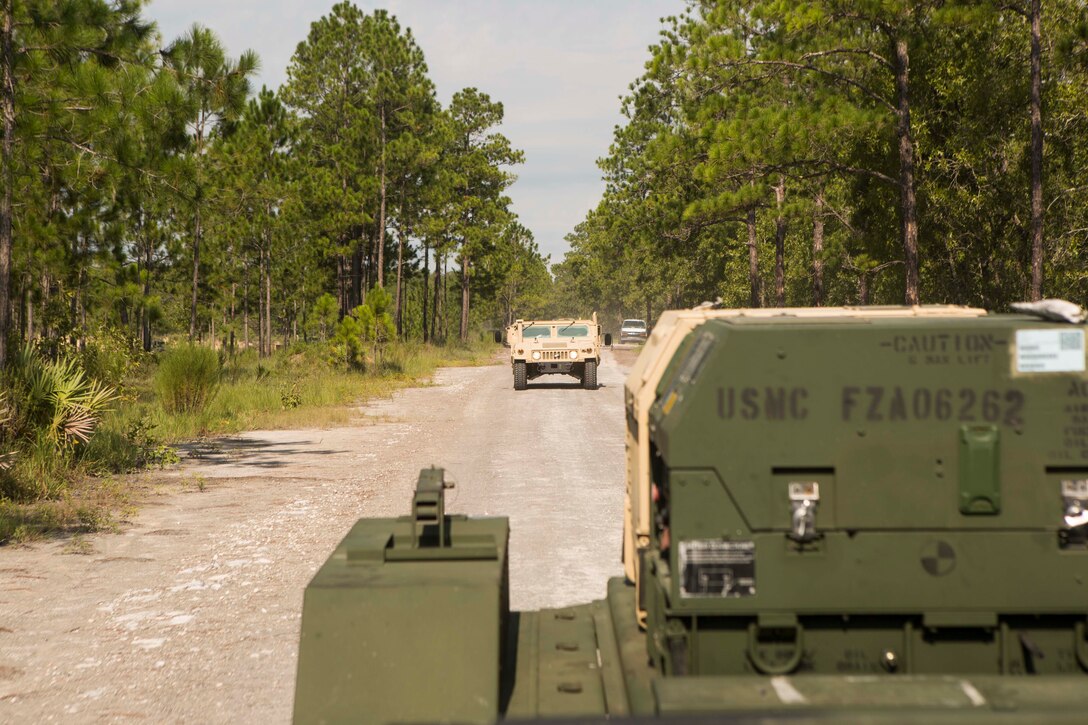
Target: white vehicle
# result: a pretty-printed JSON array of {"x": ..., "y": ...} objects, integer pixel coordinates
[{"x": 633, "y": 331}]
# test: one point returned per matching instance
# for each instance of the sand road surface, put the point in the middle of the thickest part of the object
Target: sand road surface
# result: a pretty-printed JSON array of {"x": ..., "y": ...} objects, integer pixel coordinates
[{"x": 191, "y": 612}]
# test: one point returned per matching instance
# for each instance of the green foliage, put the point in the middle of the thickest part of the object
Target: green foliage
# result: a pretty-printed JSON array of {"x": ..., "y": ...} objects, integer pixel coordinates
[
  {"x": 53, "y": 402},
  {"x": 324, "y": 316},
  {"x": 290, "y": 396},
  {"x": 187, "y": 378},
  {"x": 348, "y": 341},
  {"x": 110, "y": 356},
  {"x": 50, "y": 411},
  {"x": 771, "y": 133}
]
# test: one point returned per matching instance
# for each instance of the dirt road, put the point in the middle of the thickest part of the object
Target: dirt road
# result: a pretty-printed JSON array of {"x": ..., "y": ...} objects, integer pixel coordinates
[{"x": 191, "y": 613}]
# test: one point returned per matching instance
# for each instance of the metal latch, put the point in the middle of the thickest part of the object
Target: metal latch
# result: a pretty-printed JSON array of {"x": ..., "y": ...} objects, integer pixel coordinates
[
  {"x": 804, "y": 498},
  {"x": 1075, "y": 503}
]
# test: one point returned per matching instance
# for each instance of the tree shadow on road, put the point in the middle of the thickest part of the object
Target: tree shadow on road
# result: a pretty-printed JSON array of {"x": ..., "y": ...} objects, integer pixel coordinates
[{"x": 257, "y": 452}]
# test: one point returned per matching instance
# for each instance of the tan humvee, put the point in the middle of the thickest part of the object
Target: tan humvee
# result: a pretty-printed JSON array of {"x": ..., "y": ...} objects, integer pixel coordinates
[{"x": 556, "y": 347}]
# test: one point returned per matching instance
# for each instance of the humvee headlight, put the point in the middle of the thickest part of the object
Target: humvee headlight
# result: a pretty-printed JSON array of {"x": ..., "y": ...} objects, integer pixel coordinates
[
  {"x": 536, "y": 354},
  {"x": 573, "y": 354}
]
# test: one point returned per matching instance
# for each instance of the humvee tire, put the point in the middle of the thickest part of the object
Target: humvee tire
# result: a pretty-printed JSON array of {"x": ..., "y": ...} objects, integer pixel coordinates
[
  {"x": 520, "y": 380},
  {"x": 589, "y": 377}
]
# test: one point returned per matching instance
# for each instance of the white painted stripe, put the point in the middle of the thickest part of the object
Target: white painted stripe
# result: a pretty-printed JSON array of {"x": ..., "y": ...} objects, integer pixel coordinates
[
  {"x": 786, "y": 692},
  {"x": 973, "y": 695}
]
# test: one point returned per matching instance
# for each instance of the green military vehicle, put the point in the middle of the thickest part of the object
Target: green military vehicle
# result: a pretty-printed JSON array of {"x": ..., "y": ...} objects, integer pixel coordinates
[
  {"x": 866, "y": 515},
  {"x": 555, "y": 347}
]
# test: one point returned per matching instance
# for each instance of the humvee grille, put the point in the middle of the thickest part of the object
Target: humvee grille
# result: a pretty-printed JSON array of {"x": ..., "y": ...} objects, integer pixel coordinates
[{"x": 554, "y": 355}]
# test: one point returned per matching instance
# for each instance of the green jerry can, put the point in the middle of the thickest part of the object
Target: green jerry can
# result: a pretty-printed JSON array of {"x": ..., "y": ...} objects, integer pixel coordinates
[{"x": 832, "y": 515}]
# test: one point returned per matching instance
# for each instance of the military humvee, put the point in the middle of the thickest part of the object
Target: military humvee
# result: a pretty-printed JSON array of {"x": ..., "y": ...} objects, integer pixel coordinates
[
  {"x": 871, "y": 515},
  {"x": 555, "y": 347}
]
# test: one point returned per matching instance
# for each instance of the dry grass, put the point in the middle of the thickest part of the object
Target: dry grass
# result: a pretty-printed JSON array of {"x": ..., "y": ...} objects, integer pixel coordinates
[{"x": 297, "y": 389}]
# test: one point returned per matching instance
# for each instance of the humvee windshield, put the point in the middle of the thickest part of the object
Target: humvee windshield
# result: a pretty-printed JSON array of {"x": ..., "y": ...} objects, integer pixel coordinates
[
  {"x": 537, "y": 331},
  {"x": 574, "y": 331}
]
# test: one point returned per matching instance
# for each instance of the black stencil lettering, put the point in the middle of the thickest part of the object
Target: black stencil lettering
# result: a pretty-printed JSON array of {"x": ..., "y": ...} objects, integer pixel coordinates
[
  {"x": 898, "y": 408},
  {"x": 967, "y": 404},
  {"x": 849, "y": 400},
  {"x": 775, "y": 405},
  {"x": 1014, "y": 407},
  {"x": 798, "y": 409},
  {"x": 922, "y": 404},
  {"x": 943, "y": 406},
  {"x": 749, "y": 398},
  {"x": 875, "y": 396}
]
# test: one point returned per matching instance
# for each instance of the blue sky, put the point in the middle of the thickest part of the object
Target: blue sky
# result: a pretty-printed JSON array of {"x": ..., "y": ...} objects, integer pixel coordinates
[{"x": 558, "y": 66}]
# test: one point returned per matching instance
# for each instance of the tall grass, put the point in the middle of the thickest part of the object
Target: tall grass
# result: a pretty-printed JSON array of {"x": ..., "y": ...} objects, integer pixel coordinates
[
  {"x": 187, "y": 378},
  {"x": 188, "y": 394},
  {"x": 298, "y": 388}
]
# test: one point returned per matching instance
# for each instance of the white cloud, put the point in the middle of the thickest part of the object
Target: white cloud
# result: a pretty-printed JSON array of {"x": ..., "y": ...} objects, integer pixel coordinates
[{"x": 558, "y": 66}]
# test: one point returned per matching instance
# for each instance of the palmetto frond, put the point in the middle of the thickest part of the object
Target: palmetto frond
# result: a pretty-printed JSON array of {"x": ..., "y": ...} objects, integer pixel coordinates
[{"x": 60, "y": 402}]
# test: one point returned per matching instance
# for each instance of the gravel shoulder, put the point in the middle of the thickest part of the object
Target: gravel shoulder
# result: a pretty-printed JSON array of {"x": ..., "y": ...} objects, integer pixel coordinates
[{"x": 191, "y": 613}]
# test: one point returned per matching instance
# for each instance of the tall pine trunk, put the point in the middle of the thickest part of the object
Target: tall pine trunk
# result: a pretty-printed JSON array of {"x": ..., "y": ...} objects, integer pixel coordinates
[
  {"x": 356, "y": 278},
  {"x": 233, "y": 295},
  {"x": 907, "y": 202},
  {"x": 780, "y": 244},
  {"x": 28, "y": 304},
  {"x": 400, "y": 268},
  {"x": 260, "y": 304},
  {"x": 196, "y": 273},
  {"x": 445, "y": 301},
  {"x": 466, "y": 272},
  {"x": 197, "y": 228},
  {"x": 381, "y": 215},
  {"x": 1036, "y": 152},
  {"x": 426, "y": 290},
  {"x": 437, "y": 295},
  {"x": 341, "y": 287},
  {"x": 817, "y": 252},
  {"x": 7, "y": 171},
  {"x": 245, "y": 304},
  {"x": 146, "y": 316},
  {"x": 753, "y": 260},
  {"x": 268, "y": 300}
]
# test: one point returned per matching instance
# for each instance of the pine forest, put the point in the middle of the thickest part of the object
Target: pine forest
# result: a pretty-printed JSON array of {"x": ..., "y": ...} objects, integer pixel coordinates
[{"x": 184, "y": 254}]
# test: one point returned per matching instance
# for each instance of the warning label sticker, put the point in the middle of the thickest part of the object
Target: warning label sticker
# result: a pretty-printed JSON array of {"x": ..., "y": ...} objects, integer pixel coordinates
[
  {"x": 712, "y": 568},
  {"x": 1050, "y": 351}
]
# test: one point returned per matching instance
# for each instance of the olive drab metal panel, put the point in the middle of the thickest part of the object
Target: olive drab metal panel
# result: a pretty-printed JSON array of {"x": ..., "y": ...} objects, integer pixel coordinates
[
  {"x": 909, "y": 472},
  {"x": 872, "y": 514},
  {"x": 404, "y": 622}
]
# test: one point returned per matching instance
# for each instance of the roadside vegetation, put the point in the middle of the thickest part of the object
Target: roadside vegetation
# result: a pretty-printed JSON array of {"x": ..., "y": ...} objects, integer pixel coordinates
[
  {"x": 69, "y": 431},
  {"x": 183, "y": 255},
  {"x": 844, "y": 152}
]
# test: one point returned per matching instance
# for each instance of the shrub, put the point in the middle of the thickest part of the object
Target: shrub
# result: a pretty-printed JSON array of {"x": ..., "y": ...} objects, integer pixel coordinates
[
  {"x": 110, "y": 357},
  {"x": 187, "y": 378},
  {"x": 290, "y": 396},
  {"x": 349, "y": 342},
  {"x": 324, "y": 316},
  {"x": 54, "y": 400}
]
